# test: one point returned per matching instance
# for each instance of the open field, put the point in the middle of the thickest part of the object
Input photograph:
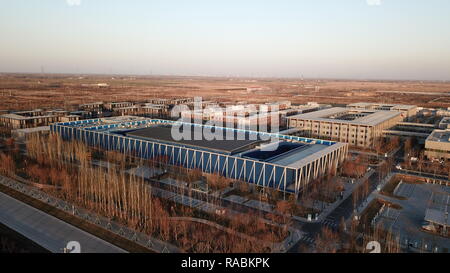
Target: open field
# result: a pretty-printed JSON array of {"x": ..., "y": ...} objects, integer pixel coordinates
[{"x": 66, "y": 91}]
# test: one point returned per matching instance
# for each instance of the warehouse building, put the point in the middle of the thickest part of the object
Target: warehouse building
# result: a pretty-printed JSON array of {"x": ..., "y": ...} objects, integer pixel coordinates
[
  {"x": 353, "y": 126},
  {"x": 289, "y": 165}
]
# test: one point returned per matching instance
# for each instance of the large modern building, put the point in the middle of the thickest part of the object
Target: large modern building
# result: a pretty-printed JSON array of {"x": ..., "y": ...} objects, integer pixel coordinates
[
  {"x": 437, "y": 145},
  {"x": 286, "y": 163},
  {"x": 354, "y": 126},
  {"x": 406, "y": 110}
]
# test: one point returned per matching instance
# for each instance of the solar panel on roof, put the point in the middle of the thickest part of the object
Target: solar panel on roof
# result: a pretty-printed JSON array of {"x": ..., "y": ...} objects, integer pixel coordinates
[{"x": 269, "y": 155}]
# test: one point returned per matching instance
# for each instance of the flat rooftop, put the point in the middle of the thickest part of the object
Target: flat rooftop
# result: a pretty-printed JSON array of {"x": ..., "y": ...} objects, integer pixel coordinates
[
  {"x": 278, "y": 149},
  {"x": 32, "y": 130},
  {"x": 235, "y": 143},
  {"x": 440, "y": 136},
  {"x": 303, "y": 156},
  {"x": 382, "y": 105},
  {"x": 120, "y": 102},
  {"x": 446, "y": 120},
  {"x": 271, "y": 154},
  {"x": 437, "y": 216},
  {"x": 289, "y": 154},
  {"x": 371, "y": 117},
  {"x": 19, "y": 117}
]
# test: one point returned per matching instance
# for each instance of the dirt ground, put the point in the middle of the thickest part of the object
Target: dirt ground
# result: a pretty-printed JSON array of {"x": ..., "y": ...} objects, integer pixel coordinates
[{"x": 29, "y": 91}]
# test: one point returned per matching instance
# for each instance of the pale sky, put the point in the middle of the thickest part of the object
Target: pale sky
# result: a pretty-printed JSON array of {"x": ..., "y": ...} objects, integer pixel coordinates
[{"x": 361, "y": 39}]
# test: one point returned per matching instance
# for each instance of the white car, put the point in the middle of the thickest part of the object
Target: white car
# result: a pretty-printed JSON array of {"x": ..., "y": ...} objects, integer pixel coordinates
[{"x": 428, "y": 226}]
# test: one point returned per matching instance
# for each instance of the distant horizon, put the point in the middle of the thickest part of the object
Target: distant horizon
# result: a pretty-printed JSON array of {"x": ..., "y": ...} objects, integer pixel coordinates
[{"x": 222, "y": 77}]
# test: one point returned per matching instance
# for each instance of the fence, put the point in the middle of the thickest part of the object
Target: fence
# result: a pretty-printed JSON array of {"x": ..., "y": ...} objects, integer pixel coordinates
[{"x": 100, "y": 221}]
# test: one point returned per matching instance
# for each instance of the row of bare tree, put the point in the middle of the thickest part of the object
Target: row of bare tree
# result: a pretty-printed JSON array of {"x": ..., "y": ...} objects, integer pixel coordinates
[
  {"x": 355, "y": 168},
  {"x": 128, "y": 199}
]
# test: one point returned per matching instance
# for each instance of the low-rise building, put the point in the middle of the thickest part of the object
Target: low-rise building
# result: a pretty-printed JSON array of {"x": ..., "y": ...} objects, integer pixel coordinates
[
  {"x": 93, "y": 107},
  {"x": 111, "y": 106},
  {"x": 172, "y": 101},
  {"x": 22, "y": 134},
  {"x": 35, "y": 118},
  {"x": 126, "y": 111},
  {"x": 443, "y": 112},
  {"x": 275, "y": 106},
  {"x": 155, "y": 109}
]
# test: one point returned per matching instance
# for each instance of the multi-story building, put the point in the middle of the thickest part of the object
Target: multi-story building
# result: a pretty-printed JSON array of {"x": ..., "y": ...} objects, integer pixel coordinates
[
  {"x": 276, "y": 106},
  {"x": 356, "y": 127},
  {"x": 443, "y": 112},
  {"x": 128, "y": 110},
  {"x": 111, "y": 106},
  {"x": 437, "y": 145},
  {"x": 173, "y": 101},
  {"x": 35, "y": 118},
  {"x": 93, "y": 107},
  {"x": 406, "y": 110},
  {"x": 273, "y": 160},
  {"x": 302, "y": 109},
  {"x": 155, "y": 109},
  {"x": 237, "y": 116}
]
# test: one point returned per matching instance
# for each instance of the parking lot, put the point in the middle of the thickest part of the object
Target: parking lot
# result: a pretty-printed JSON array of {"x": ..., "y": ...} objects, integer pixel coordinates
[{"x": 407, "y": 222}]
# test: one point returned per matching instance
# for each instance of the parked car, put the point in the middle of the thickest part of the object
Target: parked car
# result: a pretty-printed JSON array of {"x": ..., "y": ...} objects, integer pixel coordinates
[{"x": 428, "y": 226}]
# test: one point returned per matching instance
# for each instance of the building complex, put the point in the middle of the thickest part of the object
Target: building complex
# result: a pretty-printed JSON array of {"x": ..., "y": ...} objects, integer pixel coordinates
[
  {"x": 283, "y": 162},
  {"x": 406, "y": 110}
]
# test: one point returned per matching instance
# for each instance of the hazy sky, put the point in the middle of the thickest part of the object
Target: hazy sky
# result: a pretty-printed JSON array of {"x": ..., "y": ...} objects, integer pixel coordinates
[{"x": 391, "y": 39}]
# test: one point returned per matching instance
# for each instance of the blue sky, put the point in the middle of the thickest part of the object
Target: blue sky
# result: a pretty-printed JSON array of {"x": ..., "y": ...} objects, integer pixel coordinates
[{"x": 399, "y": 39}]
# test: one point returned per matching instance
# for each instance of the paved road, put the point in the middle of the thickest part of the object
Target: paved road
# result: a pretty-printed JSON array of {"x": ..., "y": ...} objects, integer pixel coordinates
[
  {"x": 345, "y": 209},
  {"x": 332, "y": 221},
  {"x": 48, "y": 231}
]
